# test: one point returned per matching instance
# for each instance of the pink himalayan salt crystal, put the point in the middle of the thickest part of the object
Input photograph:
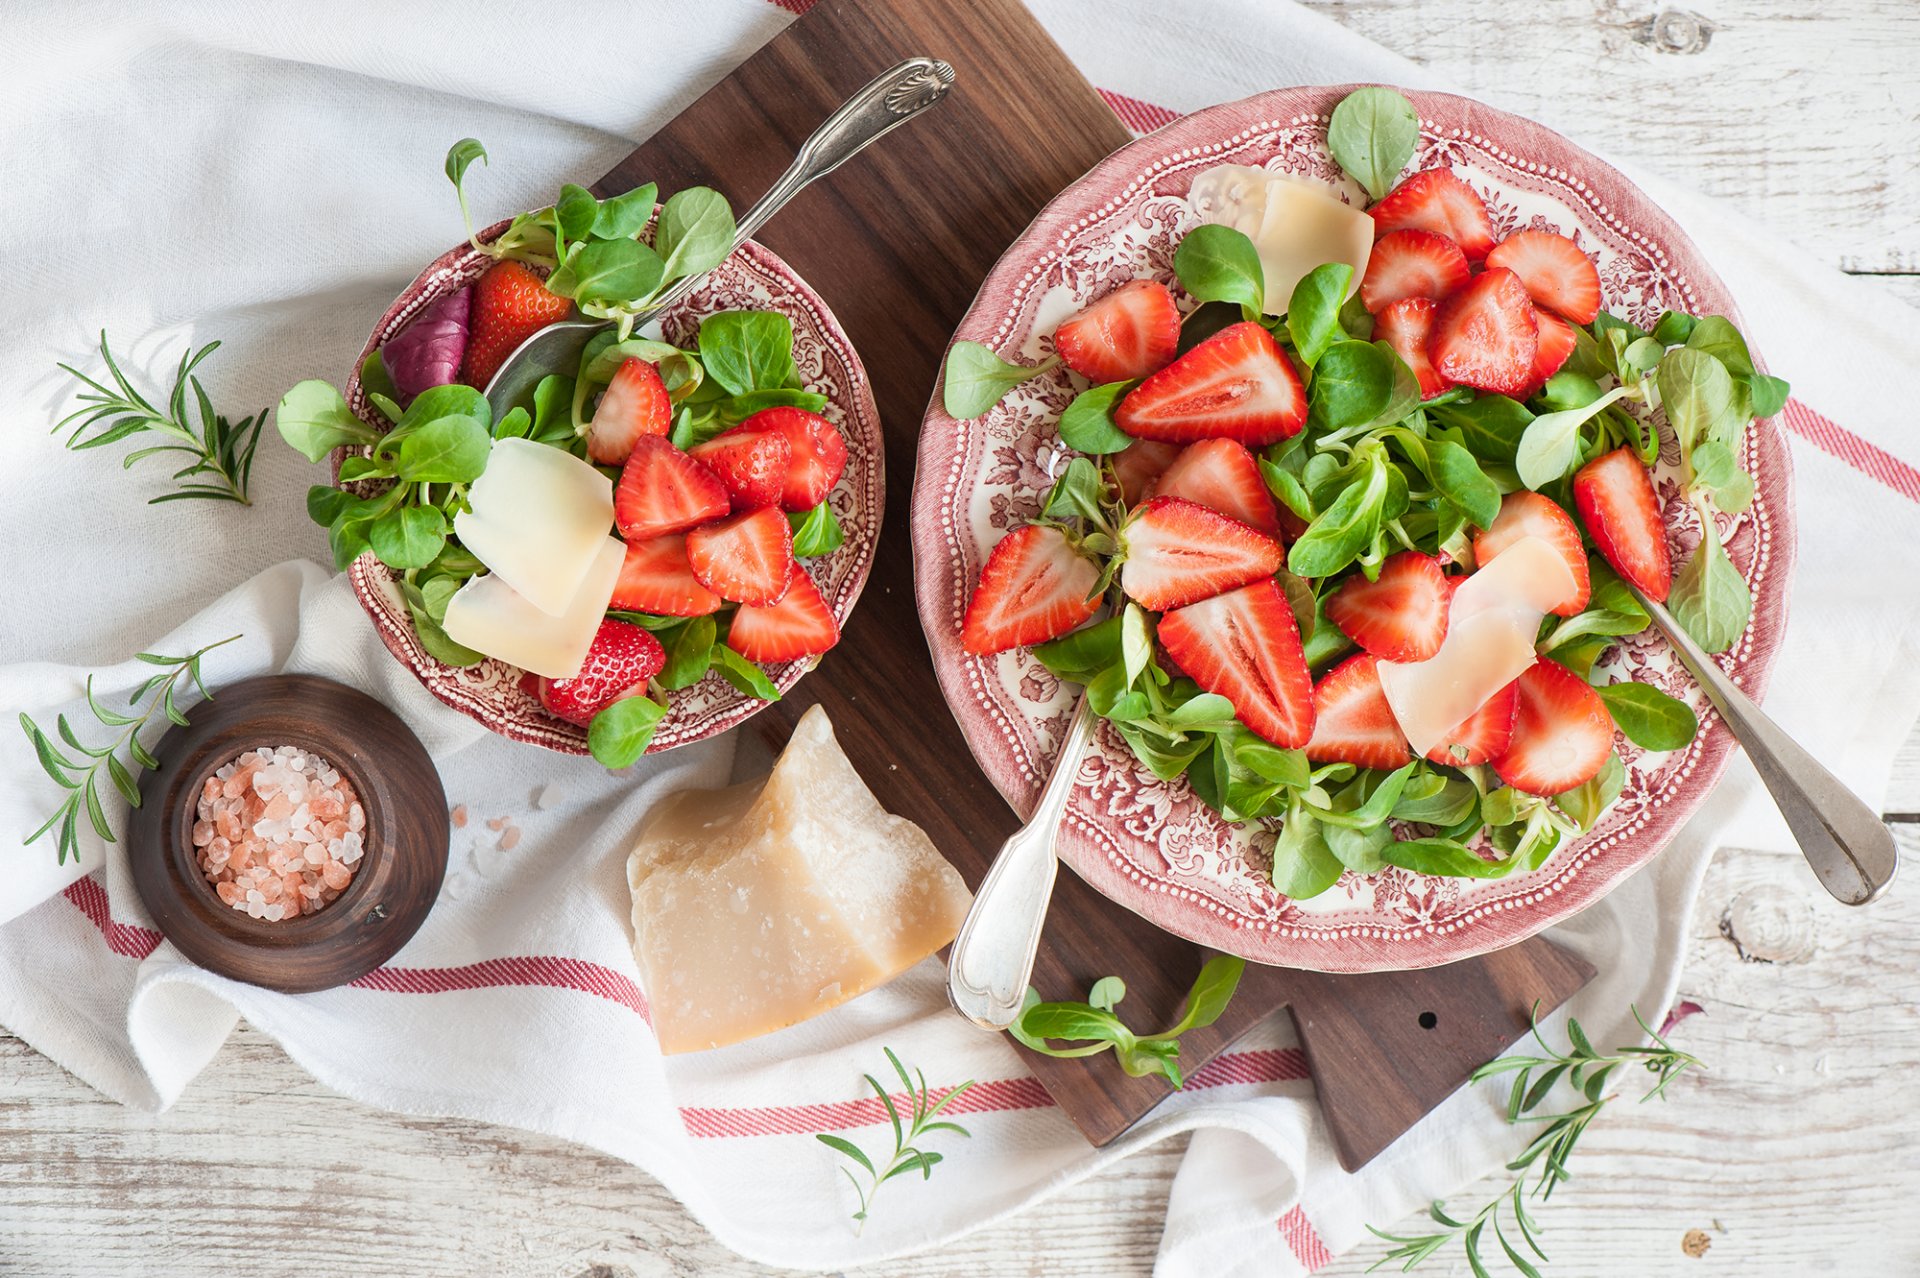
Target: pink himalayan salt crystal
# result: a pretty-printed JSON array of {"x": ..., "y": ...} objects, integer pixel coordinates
[
  {"x": 279, "y": 832},
  {"x": 509, "y": 838},
  {"x": 497, "y": 823},
  {"x": 458, "y": 816}
]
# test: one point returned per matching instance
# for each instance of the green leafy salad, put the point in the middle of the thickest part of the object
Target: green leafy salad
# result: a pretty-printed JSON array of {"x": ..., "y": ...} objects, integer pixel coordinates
[
  {"x": 720, "y": 456},
  {"x": 1252, "y": 558}
]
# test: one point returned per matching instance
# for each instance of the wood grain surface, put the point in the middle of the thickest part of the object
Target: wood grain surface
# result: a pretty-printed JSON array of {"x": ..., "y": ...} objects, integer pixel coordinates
[
  {"x": 1792, "y": 1152},
  {"x": 898, "y": 241}
]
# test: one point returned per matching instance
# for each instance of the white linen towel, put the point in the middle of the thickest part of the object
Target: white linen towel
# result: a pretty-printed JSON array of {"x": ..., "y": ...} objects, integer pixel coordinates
[{"x": 270, "y": 176}]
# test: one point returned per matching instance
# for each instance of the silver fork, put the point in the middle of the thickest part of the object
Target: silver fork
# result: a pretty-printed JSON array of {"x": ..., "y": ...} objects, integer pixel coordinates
[{"x": 889, "y": 101}]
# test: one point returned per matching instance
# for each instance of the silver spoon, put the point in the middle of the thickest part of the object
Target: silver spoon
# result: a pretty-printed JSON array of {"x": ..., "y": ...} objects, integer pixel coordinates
[
  {"x": 1850, "y": 848},
  {"x": 992, "y": 958},
  {"x": 889, "y": 101}
]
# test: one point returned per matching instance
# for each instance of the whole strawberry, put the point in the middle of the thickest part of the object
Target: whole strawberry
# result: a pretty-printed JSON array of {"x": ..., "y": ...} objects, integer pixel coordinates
[
  {"x": 618, "y": 665},
  {"x": 510, "y": 304}
]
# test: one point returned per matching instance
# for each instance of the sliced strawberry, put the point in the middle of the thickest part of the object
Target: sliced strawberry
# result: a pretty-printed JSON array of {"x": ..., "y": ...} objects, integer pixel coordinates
[
  {"x": 746, "y": 558},
  {"x": 1237, "y": 384},
  {"x": 1412, "y": 263},
  {"x": 623, "y": 657},
  {"x": 1525, "y": 514},
  {"x": 816, "y": 453},
  {"x": 800, "y": 625},
  {"x": 750, "y": 464},
  {"x": 662, "y": 490},
  {"x": 1222, "y": 475},
  {"x": 1138, "y": 465},
  {"x": 1556, "y": 345},
  {"x": 1034, "y": 587},
  {"x": 1556, "y": 273},
  {"x": 655, "y": 579},
  {"x": 1615, "y": 497},
  {"x": 1179, "y": 552},
  {"x": 1406, "y": 325},
  {"x": 510, "y": 304},
  {"x": 1437, "y": 201},
  {"x": 1129, "y": 333},
  {"x": 1352, "y": 722},
  {"x": 635, "y": 403},
  {"x": 1400, "y": 617},
  {"x": 1485, "y": 336},
  {"x": 1562, "y": 732},
  {"x": 1484, "y": 734},
  {"x": 1245, "y": 646}
]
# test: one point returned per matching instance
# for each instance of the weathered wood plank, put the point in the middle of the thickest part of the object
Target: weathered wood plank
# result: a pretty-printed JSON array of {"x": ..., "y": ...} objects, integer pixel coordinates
[{"x": 1805, "y": 116}]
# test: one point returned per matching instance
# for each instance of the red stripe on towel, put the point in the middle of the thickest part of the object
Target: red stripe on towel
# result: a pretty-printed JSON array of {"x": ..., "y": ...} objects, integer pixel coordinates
[
  {"x": 1303, "y": 1242},
  {"x": 1869, "y": 459},
  {"x": 124, "y": 939},
  {"x": 534, "y": 970}
]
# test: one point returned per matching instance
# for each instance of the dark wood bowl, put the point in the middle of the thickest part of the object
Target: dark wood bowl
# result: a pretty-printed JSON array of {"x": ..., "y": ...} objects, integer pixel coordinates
[{"x": 393, "y": 886}]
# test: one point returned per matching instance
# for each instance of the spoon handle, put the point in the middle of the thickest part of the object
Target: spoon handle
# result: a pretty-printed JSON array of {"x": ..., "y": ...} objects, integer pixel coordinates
[
  {"x": 895, "y": 96},
  {"x": 992, "y": 958},
  {"x": 1850, "y": 848}
]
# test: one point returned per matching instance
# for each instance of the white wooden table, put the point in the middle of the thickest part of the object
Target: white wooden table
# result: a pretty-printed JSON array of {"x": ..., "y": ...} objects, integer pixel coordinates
[{"x": 1797, "y": 1153}]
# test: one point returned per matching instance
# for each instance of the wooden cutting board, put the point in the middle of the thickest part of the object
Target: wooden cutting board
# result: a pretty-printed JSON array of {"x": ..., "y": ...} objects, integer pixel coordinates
[{"x": 897, "y": 241}]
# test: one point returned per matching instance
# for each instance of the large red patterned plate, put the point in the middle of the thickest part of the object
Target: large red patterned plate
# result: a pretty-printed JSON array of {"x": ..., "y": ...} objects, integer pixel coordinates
[
  {"x": 753, "y": 278},
  {"x": 1153, "y": 846}
]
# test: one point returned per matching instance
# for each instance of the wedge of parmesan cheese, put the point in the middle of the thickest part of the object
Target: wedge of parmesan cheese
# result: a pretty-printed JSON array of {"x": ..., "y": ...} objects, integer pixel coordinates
[
  {"x": 1295, "y": 224},
  {"x": 538, "y": 520},
  {"x": 758, "y": 906},
  {"x": 490, "y": 616},
  {"x": 1490, "y": 630}
]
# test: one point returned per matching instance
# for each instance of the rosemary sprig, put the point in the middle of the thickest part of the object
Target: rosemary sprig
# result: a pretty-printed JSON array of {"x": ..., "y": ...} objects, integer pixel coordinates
[
  {"x": 81, "y": 781},
  {"x": 220, "y": 450},
  {"x": 1534, "y": 1078},
  {"x": 907, "y": 1157}
]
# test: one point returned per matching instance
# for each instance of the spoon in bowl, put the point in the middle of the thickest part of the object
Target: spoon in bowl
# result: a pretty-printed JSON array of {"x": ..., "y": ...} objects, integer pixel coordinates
[{"x": 891, "y": 99}]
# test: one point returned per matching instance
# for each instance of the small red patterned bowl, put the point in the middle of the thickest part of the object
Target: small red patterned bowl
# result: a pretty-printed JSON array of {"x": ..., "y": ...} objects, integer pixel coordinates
[
  {"x": 754, "y": 278},
  {"x": 1153, "y": 846}
]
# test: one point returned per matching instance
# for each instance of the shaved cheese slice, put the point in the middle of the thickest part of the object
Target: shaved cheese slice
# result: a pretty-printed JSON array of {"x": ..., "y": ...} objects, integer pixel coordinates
[
  {"x": 758, "y": 906},
  {"x": 490, "y": 616},
  {"x": 1495, "y": 615},
  {"x": 1295, "y": 224},
  {"x": 539, "y": 515}
]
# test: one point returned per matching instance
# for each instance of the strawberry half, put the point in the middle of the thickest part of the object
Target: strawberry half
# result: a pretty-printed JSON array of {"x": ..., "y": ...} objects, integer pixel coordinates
[
  {"x": 655, "y": 578},
  {"x": 510, "y": 304},
  {"x": 1406, "y": 325},
  {"x": 1556, "y": 345},
  {"x": 1223, "y": 476},
  {"x": 1237, "y": 384},
  {"x": 800, "y": 625},
  {"x": 1138, "y": 465},
  {"x": 1485, "y": 336},
  {"x": 635, "y": 403},
  {"x": 1352, "y": 722},
  {"x": 816, "y": 454},
  {"x": 1034, "y": 587},
  {"x": 623, "y": 657},
  {"x": 1400, "y": 617},
  {"x": 1129, "y": 333},
  {"x": 747, "y": 558},
  {"x": 1556, "y": 273},
  {"x": 1412, "y": 263},
  {"x": 1179, "y": 552},
  {"x": 1562, "y": 732},
  {"x": 750, "y": 464},
  {"x": 1245, "y": 646},
  {"x": 1484, "y": 734},
  {"x": 1615, "y": 498},
  {"x": 662, "y": 490},
  {"x": 1525, "y": 514},
  {"x": 1437, "y": 201}
]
